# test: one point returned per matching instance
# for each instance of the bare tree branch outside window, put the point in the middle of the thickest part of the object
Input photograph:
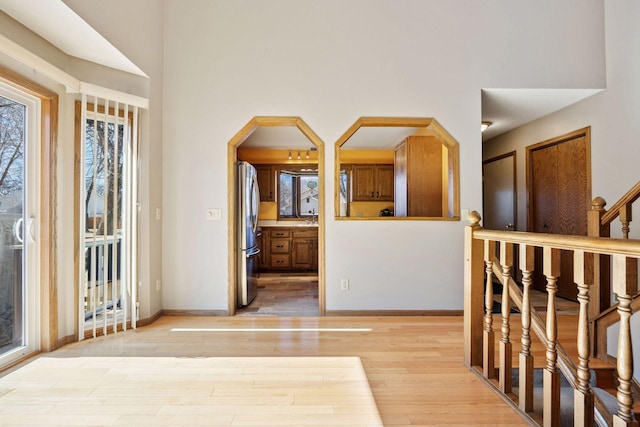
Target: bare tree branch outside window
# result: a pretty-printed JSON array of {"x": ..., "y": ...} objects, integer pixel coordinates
[
  {"x": 12, "y": 116},
  {"x": 96, "y": 175}
]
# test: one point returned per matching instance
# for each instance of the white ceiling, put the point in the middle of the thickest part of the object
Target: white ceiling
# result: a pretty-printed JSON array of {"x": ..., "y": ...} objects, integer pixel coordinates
[
  {"x": 507, "y": 109},
  {"x": 62, "y": 27}
]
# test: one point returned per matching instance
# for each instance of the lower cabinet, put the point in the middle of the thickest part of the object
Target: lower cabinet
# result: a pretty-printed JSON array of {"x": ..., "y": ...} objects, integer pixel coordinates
[
  {"x": 304, "y": 250},
  {"x": 291, "y": 248}
]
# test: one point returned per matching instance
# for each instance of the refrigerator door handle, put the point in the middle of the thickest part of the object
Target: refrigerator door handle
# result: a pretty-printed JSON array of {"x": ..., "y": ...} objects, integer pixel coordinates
[
  {"x": 254, "y": 203},
  {"x": 252, "y": 252}
]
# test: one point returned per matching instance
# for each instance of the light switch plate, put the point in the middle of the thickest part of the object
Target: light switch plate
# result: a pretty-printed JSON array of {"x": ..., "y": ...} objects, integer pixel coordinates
[{"x": 214, "y": 214}]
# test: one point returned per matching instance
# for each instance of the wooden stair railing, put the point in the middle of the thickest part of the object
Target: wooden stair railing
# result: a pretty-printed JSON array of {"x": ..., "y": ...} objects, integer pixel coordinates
[
  {"x": 566, "y": 365},
  {"x": 599, "y": 223},
  {"x": 480, "y": 248},
  {"x": 602, "y": 321}
]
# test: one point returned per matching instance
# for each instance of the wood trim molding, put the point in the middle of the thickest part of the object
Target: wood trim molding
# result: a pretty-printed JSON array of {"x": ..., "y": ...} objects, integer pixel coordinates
[
  {"x": 48, "y": 202},
  {"x": 394, "y": 312},
  {"x": 194, "y": 313},
  {"x": 232, "y": 158},
  {"x": 428, "y": 126}
]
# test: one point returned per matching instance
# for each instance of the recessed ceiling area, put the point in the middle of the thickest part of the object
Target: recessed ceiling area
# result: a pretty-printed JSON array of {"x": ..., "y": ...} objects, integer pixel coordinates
[
  {"x": 277, "y": 138},
  {"x": 57, "y": 23},
  {"x": 379, "y": 138}
]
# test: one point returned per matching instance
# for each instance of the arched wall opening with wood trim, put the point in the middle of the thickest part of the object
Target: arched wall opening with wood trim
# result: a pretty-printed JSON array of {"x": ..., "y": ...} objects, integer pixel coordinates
[{"x": 232, "y": 156}]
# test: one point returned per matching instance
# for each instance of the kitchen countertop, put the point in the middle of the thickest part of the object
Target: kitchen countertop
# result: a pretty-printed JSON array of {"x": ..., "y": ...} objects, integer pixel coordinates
[{"x": 274, "y": 223}]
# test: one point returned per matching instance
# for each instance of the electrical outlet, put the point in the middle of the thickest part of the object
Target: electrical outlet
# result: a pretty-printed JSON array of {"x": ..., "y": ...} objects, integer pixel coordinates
[
  {"x": 344, "y": 284},
  {"x": 158, "y": 214},
  {"x": 158, "y": 285}
]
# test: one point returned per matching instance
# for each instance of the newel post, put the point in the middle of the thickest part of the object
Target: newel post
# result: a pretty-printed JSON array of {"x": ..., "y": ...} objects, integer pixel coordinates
[
  {"x": 601, "y": 284},
  {"x": 473, "y": 292}
]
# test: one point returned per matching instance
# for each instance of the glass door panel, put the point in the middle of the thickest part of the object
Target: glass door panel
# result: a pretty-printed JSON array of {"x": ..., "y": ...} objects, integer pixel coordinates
[{"x": 18, "y": 293}]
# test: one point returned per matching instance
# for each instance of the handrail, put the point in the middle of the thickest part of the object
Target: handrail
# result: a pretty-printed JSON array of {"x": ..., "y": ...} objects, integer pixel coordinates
[
  {"x": 600, "y": 245},
  {"x": 606, "y": 316},
  {"x": 632, "y": 195}
]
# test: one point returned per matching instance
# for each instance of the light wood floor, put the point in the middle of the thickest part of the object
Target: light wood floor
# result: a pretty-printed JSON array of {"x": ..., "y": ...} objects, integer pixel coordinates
[
  {"x": 275, "y": 363},
  {"x": 412, "y": 368}
]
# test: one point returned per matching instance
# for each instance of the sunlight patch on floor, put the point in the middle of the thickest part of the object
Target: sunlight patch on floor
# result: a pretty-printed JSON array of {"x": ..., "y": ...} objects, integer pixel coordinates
[{"x": 208, "y": 391}]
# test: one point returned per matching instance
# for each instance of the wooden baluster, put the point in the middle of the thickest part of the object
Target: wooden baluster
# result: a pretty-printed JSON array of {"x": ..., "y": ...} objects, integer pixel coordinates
[
  {"x": 583, "y": 395},
  {"x": 624, "y": 288},
  {"x": 526, "y": 359},
  {"x": 473, "y": 293},
  {"x": 625, "y": 219},
  {"x": 488, "y": 342},
  {"x": 506, "y": 364},
  {"x": 551, "y": 399}
]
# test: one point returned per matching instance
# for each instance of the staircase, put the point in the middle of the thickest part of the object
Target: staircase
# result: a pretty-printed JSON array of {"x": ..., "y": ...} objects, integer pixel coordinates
[{"x": 550, "y": 385}]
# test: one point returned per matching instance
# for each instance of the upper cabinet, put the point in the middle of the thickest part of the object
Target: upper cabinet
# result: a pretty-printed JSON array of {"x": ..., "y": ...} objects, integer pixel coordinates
[
  {"x": 419, "y": 177},
  {"x": 372, "y": 183},
  {"x": 390, "y": 168},
  {"x": 266, "y": 182}
]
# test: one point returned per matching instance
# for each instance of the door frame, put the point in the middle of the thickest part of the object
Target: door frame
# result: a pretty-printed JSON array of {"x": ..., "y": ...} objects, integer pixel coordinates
[
  {"x": 47, "y": 236},
  {"x": 584, "y": 132},
  {"x": 232, "y": 158},
  {"x": 515, "y": 183}
]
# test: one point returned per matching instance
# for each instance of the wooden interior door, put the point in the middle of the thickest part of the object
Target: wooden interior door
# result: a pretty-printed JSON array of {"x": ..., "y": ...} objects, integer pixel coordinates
[
  {"x": 559, "y": 190},
  {"x": 499, "y": 192}
]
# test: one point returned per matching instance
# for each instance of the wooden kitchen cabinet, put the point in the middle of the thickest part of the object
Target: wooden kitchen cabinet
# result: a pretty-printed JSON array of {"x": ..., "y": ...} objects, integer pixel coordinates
[
  {"x": 291, "y": 248},
  {"x": 372, "y": 183},
  {"x": 266, "y": 182},
  {"x": 304, "y": 249},
  {"x": 419, "y": 177},
  {"x": 279, "y": 248}
]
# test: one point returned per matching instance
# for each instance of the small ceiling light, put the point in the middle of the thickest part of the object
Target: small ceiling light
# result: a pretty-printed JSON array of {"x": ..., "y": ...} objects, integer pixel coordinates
[
  {"x": 484, "y": 126},
  {"x": 298, "y": 155},
  {"x": 307, "y": 154},
  {"x": 289, "y": 155}
]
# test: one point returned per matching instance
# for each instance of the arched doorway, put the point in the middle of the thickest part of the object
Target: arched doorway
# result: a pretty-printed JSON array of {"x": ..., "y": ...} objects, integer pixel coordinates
[{"x": 273, "y": 122}]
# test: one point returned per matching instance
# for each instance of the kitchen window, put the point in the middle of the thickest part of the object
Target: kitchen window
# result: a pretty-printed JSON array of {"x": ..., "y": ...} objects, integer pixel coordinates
[{"x": 298, "y": 193}]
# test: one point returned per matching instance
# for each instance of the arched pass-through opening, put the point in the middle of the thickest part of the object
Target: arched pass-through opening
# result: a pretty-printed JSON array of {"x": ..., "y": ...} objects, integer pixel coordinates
[{"x": 232, "y": 159}]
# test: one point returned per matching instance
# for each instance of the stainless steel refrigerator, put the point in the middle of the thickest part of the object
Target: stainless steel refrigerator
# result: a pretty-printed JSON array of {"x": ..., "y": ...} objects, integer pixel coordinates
[{"x": 248, "y": 250}]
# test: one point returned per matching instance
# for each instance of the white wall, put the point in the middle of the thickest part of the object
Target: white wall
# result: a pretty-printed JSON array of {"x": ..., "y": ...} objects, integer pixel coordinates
[
  {"x": 331, "y": 62},
  {"x": 213, "y": 65}
]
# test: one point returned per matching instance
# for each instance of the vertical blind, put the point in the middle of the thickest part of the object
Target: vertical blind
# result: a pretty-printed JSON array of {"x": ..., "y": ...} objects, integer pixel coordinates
[{"x": 108, "y": 216}]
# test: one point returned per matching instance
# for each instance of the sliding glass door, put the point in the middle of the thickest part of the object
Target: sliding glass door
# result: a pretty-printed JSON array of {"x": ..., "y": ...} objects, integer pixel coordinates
[{"x": 19, "y": 195}]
